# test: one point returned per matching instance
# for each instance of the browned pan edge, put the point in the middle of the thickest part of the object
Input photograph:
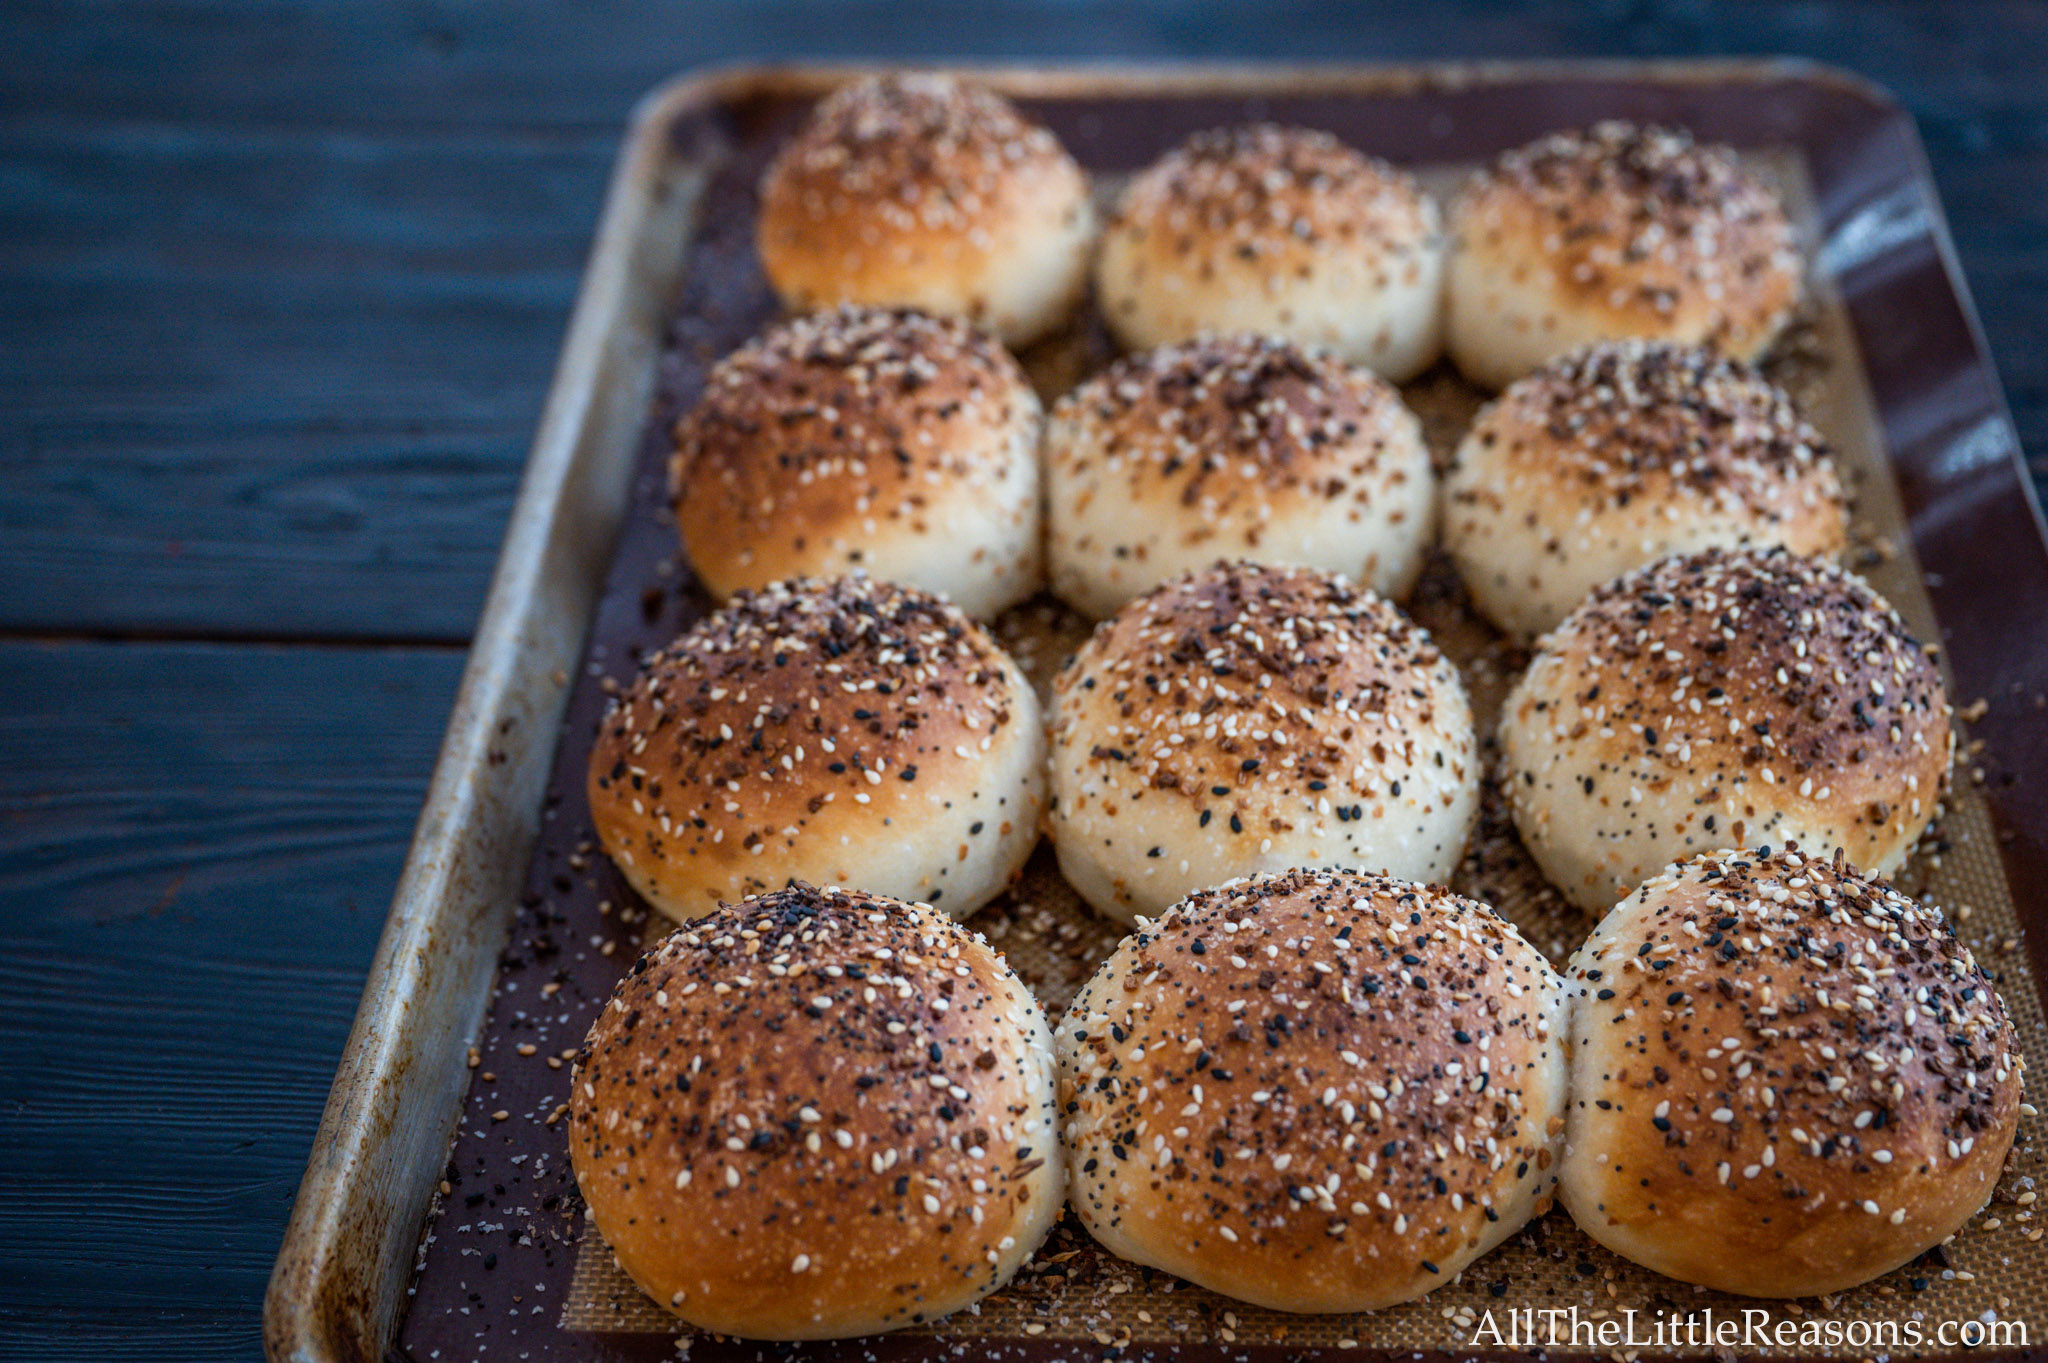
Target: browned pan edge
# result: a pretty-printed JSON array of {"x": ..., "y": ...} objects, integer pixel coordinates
[{"x": 1957, "y": 461}]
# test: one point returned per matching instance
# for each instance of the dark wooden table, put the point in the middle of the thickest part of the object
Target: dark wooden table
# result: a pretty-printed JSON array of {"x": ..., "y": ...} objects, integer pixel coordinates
[{"x": 282, "y": 284}]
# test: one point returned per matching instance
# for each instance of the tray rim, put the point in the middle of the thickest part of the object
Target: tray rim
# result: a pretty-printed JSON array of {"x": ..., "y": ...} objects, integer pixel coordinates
[
  {"x": 360, "y": 1205},
  {"x": 485, "y": 776}
]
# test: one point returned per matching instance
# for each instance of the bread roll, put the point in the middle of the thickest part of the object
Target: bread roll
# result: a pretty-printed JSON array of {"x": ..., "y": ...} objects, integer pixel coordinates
[
  {"x": 816, "y": 1114},
  {"x": 1229, "y": 447},
  {"x": 1251, "y": 718},
  {"x": 928, "y": 192},
  {"x": 840, "y": 731},
  {"x": 1315, "y": 1091},
  {"x": 902, "y": 445},
  {"x": 1614, "y": 232},
  {"x": 1786, "y": 1078},
  {"x": 1719, "y": 699},
  {"x": 1277, "y": 230},
  {"x": 1622, "y": 453}
]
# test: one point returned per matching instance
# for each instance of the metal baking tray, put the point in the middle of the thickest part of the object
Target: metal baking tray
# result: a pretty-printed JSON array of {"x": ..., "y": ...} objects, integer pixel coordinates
[{"x": 350, "y": 1253}]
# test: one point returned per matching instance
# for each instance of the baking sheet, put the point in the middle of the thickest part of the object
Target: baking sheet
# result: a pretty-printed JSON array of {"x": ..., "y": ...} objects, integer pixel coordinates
[{"x": 509, "y": 1268}]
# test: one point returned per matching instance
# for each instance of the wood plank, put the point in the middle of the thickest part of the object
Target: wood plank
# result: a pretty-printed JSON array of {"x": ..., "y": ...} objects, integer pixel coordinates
[
  {"x": 333, "y": 63},
  {"x": 197, "y": 845},
  {"x": 277, "y": 383}
]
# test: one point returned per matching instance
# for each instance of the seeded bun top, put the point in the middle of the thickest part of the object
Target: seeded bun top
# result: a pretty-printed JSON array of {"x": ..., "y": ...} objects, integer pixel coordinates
[
  {"x": 1623, "y": 452},
  {"x": 930, "y": 192},
  {"x": 1316, "y": 1090},
  {"x": 871, "y": 439},
  {"x": 818, "y": 1113},
  {"x": 836, "y": 730},
  {"x": 1721, "y": 698},
  {"x": 1788, "y": 1077},
  {"x": 1229, "y": 446},
  {"x": 1615, "y": 231},
  {"x": 1249, "y": 718},
  {"x": 1284, "y": 231}
]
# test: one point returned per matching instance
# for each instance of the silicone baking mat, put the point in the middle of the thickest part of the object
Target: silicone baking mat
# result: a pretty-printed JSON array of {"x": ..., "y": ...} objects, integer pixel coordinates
[{"x": 511, "y": 1269}]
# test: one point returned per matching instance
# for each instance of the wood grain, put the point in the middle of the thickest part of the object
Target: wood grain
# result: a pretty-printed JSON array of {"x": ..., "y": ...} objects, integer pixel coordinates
[
  {"x": 197, "y": 849},
  {"x": 263, "y": 388}
]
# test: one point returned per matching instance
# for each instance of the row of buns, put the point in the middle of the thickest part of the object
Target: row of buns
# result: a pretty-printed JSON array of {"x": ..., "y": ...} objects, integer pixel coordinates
[
  {"x": 913, "y": 448},
  {"x": 923, "y": 191},
  {"x": 821, "y": 1113},
  {"x": 1255, "y": 717}
]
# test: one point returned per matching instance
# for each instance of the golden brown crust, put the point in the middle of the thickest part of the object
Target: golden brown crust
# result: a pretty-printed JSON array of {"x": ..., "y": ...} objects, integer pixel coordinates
[
  {"x": 813, "y": 721},
  {"x": 1617, "y": 230},
  {"x": 843, "y": 436},
  {"x": 1619, "y": 453},
  {"x": 1257, "y": 661},
  {"x": 1626, "y": 420},
  {"x": 1787, "y": 1078},
  {"x": 1280, "y": 230},
  {"x": 931, "y": 153},
  {"x": 1248, "y": 714},
  {"x": 1647, "y": 225},
  {"x": 1802, "y": 671},
  {"x": 926, "y": 190},
  {"x": 1222, "y": 420},
  {"x": 817, "y": 1113},
  {"x": 1273, "y": 195},
  {"x": 1319, "y": 1091},
  {"x": 1232, "y": 446},
  {"x": 1716, "y": 699}
]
